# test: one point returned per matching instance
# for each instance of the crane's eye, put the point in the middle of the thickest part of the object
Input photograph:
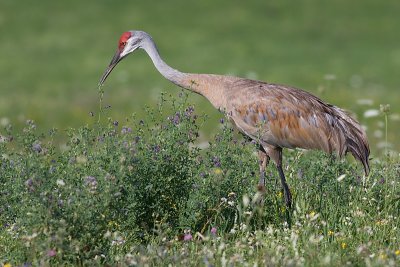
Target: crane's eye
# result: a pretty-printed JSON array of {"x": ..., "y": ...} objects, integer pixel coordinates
[{"x": 122, "y": 45}]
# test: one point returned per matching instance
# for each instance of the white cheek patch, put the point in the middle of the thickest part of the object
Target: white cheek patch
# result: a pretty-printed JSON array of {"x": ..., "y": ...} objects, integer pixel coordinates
[
  {"x": 130, "y": 47},
  {"x": 124, "y": 52}
]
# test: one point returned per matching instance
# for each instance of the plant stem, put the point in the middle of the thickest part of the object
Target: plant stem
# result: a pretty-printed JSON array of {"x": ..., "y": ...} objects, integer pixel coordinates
[
  {"x": 101, "y": 94},
  {"x": 386, "y": 134}
]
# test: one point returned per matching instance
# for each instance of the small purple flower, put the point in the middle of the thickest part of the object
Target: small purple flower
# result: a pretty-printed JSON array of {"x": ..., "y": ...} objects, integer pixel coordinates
[
  {"x": 222, "y": 120},
  {"x": 51, "y": 253},
  {"x": 216, "y": 161},
  {"x": 187, "y": 237},
  {"x": 91, "y": 182},
  {"x": 382, "y": 180},
  {"x": 126, "y": 130},
  {"x": 214, "y": 231},
  {"x": 37, "y": 147},
  {"x": 176, "y": 119},
  {"x": 156, "y": 149},
  {"x": 30, "y": 123},
  {"x": 29, "y": 182},
  {"x": 189, "y": 111},
  {"x": 115, "y": 123}
]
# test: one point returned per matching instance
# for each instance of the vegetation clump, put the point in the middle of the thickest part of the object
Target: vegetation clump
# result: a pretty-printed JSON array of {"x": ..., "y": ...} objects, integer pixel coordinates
[{"x": 142, "y": 192}]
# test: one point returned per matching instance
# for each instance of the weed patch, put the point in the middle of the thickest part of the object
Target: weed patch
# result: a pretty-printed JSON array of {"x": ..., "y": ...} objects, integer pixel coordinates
[{"x": 141, "y": 191}]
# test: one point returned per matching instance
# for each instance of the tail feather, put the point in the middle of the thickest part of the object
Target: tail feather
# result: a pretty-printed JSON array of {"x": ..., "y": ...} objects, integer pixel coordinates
[{"x": 355, "y": 138}]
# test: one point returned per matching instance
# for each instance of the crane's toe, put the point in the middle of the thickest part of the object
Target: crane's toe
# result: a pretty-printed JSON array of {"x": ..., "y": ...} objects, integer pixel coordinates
[
  {"x": 261, "y": 182},
  {"x": 261, "y": 188}
]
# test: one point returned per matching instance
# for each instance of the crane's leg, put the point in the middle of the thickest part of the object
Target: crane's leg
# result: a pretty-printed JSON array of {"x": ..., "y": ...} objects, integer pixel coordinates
[
  {"x": 288, "y": 195},
  {"x": 263, "y": 162},
  {"x": 276, "y": 154}
]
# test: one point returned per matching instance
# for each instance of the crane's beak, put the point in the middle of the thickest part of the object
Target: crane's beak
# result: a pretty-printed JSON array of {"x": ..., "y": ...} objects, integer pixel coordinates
[{"x": 117, "y": 58}]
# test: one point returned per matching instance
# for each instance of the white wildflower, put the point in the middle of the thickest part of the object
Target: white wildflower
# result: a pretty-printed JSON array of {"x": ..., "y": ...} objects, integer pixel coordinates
[
  {"x": 395, "y": 117},
  {"x": 370, "y": 113},
  {"x": 4, "y": 121},
  {"x": 60, "y": 182},
  {"x": 246, "y": 201},
  {"x": 224, "y": 261},
  {"x": 341, "y": 177},
  {"x": 3, "y": 139}
]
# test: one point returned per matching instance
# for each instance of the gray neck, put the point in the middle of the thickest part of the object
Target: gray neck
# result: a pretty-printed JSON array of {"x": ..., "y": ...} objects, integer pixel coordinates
[{"x": 169, "y": 73}]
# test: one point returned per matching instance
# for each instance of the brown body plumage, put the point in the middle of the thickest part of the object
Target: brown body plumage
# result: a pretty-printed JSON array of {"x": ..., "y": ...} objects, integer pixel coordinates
[
  {"x": 282, "y": 116},
  {"x": 275, "y": 116}
]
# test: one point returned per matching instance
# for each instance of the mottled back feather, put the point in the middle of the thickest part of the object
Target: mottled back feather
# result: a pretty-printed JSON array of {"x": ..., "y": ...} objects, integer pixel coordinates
[{"x": 287, "y": 117}]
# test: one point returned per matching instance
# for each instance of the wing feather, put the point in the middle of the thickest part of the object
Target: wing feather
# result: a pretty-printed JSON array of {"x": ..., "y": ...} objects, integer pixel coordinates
[{"x": 285, "y": 116}]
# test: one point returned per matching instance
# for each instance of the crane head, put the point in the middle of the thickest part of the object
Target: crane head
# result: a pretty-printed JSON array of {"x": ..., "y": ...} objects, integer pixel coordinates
[{"x": 128, "y": 43}]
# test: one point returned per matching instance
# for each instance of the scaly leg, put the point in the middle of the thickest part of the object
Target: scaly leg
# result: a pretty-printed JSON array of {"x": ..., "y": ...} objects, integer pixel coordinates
[
  {"x": 276, "y": 154},
  {"x": 263, "y": 162},
  {"x": 288, "y": 195}
]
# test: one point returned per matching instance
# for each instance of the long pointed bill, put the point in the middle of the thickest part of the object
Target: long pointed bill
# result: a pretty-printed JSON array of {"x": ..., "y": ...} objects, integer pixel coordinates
[{"x": 116, "y": 58}]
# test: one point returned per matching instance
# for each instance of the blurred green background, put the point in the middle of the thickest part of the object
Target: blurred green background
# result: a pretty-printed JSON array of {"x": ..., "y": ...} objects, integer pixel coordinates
[{"x": 54, "y": 52}]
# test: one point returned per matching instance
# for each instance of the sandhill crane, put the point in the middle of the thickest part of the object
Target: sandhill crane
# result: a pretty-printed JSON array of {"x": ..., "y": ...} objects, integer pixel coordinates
[{"x": 275, "y": 116}]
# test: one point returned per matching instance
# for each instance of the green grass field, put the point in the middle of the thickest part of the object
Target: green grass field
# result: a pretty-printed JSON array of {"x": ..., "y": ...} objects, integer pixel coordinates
[
  {"x": 135, "y": 189},
  {"x": 53, "y": 53}
]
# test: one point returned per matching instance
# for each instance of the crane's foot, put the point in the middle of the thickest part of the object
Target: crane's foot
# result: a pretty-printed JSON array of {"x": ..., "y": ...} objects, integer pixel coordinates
[
  {"x": 261, "y": 183},
  {"x": 261, "y": 188},
  {"x": 260, "y": 194}
]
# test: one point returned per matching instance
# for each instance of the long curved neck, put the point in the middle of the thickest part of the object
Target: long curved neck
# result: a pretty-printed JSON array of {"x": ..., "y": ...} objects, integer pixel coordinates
[
  {"x": 207, "y": 85},
  {"x": 168, "y": 72}
]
